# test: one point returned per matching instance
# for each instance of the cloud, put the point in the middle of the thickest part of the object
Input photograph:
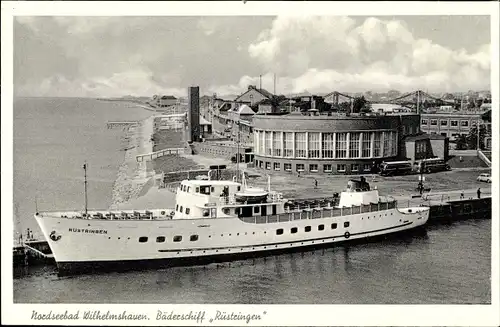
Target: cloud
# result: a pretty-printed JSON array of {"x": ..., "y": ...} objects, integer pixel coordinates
[
  {"x": 325, "y": 53},
  {"x": 134, "y": 82},
  {"x": 112, "y": 56}
]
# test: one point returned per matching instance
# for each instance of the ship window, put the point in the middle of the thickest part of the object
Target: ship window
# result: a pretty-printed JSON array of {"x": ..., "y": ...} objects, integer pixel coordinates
[
  {"x": 177, "y": 208},
  {"x": 187, "y": 211},
  {"x": 321, "y": 227},
  {"x": 256, "y": 209},
  {"x": 279, "y": 231},
  {"x": 307, "y": 229},
  {"x": 193, "y": 238},
  {"x": 160, "y": 239},
  {"x": 205, "y": 190},
  {"x": 346, "y": 224},
  {"x": 239, "y": 188},
  {"x": 212, "y": 189},
  {"x": 205, "y": 213},
  {"x": 143, "y": 239},
  {"x": 334, "y": 226},
  {"x": 189, "y": 188},
  {"x": 237, "y": 211},
  {"x": 197, "y": 190},
  {"x": 177, "y": 238},
  {"x": 293, "y": 230},
  {"x": 180, "y": 209}
]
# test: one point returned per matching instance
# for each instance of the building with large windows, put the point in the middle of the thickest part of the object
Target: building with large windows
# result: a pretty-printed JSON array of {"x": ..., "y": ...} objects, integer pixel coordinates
[
  {"x": 450, "y": 124},
  {"x": 341, "y": 144}
]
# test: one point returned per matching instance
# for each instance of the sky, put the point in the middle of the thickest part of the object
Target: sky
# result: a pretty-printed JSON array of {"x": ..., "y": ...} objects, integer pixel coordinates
[{"x": 142, "y": 56}]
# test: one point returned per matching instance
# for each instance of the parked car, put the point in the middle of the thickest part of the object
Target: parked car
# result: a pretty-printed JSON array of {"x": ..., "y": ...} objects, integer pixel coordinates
[{"x": 484, "y": 178}]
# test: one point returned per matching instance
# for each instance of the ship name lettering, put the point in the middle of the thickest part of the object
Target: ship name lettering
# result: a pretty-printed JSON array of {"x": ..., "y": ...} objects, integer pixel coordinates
[{"x": 88, "y": 231}]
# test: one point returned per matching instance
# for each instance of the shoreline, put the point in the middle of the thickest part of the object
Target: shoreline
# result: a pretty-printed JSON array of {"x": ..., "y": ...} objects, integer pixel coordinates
[{"x": 132, "y": 175}]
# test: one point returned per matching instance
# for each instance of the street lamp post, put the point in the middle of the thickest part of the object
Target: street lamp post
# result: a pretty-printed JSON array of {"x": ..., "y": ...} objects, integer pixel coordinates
[
  {"x": 478, "y": 128},
  {"x": 238, "y": 151}
]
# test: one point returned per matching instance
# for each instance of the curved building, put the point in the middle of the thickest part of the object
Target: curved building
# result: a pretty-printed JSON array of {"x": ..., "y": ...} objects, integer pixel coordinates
[{"x": 337, "y": 144}]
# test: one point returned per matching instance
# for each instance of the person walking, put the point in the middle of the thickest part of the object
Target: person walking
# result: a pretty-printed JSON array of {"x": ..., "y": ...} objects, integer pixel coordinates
[
  {"x": 479, "y": 193},
  {"x": 315, "y": 183},
  {"x": 462, "y": 195}
]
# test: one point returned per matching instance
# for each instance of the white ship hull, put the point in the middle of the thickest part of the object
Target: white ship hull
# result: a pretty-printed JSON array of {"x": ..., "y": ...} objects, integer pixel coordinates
[{"x": 86, "y": 245}]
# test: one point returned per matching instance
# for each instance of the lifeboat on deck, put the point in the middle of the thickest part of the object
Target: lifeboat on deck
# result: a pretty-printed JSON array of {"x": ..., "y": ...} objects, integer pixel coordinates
[{"x": 251, "y": 195}]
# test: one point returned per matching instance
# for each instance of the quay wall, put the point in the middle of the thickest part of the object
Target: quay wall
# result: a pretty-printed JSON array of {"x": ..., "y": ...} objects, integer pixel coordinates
[{"x": 219, "y": 150}]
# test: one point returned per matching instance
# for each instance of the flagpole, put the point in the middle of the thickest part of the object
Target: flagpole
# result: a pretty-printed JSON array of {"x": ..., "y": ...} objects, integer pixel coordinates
[{"x": 85, "y": 183}]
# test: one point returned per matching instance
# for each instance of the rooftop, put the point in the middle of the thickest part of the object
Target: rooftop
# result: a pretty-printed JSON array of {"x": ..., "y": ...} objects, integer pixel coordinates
[{"x": 196, "y": 182}]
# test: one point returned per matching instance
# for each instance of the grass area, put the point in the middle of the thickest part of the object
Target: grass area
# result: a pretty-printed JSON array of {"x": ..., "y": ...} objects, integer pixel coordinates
[
  {"x": 466, "y": 162},
  {"x": 168, "y": 138},
  {"x": 171, "y": 163}
]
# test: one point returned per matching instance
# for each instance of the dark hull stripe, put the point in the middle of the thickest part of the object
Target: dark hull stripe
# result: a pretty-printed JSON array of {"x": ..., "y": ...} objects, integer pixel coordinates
[
  {"x": 85, "y": 267},
  {"x": 281, "y": 243}
]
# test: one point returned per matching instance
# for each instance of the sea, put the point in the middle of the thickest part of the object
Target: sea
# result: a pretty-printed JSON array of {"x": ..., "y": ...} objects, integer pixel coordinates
[{"x": 54, "y": 137}]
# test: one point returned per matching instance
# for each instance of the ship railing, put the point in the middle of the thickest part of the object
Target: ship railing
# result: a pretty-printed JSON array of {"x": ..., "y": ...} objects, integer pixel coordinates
[
  {"x": 275, "y": 197},
  {"x": 321, "y": 212},
  {"x": 227, "y": 200},
  {"x": 116, "y": 215}
]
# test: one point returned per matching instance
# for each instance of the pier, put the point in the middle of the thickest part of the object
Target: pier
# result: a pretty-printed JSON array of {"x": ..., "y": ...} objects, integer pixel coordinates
[
  {"x": 120, "y": 124},
  {"x": 157, "y": 154},
  {"x": 32, "y": 252}
]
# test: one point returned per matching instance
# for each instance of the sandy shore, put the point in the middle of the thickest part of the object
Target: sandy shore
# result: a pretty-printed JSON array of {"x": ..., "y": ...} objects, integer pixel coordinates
[{"x": 132, "y": 175}]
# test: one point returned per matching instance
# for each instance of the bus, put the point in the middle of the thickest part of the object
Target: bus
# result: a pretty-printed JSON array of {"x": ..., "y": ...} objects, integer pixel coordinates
[
  {"x": 431, "y": 165},
  {"x": 395, "y": 168}
]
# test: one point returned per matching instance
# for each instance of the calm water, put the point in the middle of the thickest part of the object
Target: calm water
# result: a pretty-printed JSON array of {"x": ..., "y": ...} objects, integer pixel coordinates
[{"x": 52, "y": 137}]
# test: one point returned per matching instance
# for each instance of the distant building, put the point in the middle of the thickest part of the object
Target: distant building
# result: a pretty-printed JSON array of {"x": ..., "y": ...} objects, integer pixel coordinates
[
  {"x": 163, "y": 101},
  {"x": 449, "y": 124},
  {"x": 254, "y": 95}
]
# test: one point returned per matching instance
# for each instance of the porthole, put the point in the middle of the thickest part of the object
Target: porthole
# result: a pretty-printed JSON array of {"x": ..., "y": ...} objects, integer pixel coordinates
[
  {"x": 279, "y": 231},
  {"x": 193, "y": 238},
  {"x": 334, "y": 226},
  {"x": 346, "y": 224},
  {"x": 177, "y": 238},
  {"x": 307, "y": 228},
  {"x": 321, "y": 227},
  {"x": 293, "y": 230},
  {"x": 160, "y": 239}
]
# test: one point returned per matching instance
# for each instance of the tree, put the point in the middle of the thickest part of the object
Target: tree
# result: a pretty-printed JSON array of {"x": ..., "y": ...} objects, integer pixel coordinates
[
  {"x": 461, "y": 143},
  {"x": 486, "y": 116},
  {"x": 472, "y": 137},
  {"x": 358, "y": 104}
]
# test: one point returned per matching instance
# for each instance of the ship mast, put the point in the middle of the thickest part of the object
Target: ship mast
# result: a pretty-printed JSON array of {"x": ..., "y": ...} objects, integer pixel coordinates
[{"x": 85, "y": 184}]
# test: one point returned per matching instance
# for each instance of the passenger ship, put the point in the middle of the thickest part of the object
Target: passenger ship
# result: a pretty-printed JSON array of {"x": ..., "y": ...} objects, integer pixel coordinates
[{"x": 217, "y": 221}]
